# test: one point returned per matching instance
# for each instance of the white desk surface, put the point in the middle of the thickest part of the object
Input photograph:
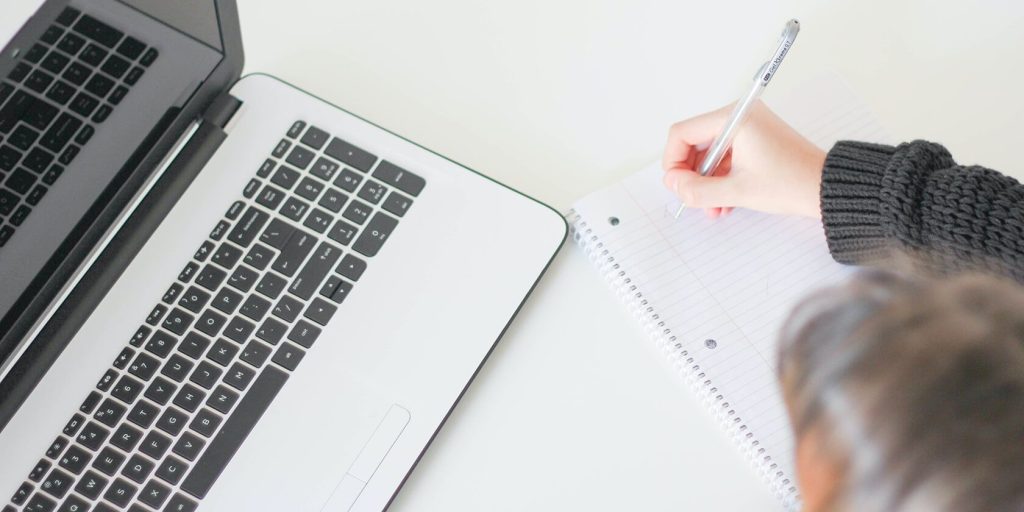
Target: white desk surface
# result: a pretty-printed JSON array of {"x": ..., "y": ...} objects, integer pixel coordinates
[{"x": 575, "y": 410}]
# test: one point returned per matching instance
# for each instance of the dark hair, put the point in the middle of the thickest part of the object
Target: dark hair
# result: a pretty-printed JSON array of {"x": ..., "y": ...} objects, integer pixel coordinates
[{"x": 915, "y": 387}]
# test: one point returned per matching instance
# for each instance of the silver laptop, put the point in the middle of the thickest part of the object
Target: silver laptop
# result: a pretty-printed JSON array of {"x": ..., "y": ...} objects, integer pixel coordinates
[{"x": 224, "y": 293}]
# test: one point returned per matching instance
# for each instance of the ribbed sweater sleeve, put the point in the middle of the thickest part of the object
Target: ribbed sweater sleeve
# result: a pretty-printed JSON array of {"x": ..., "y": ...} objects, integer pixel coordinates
[{"x": 915, "y": 199}]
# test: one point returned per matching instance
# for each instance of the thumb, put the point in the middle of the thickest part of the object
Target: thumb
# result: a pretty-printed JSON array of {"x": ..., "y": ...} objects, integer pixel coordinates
[{"x": 701, "y": 191}]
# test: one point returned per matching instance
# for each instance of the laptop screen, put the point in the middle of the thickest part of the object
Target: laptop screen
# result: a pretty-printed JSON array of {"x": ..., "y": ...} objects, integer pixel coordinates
[{"x": 89, "y": 86}]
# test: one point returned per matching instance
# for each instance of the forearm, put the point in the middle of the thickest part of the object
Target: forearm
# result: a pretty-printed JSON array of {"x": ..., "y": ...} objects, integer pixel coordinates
[{"x": 877, "y": 200}]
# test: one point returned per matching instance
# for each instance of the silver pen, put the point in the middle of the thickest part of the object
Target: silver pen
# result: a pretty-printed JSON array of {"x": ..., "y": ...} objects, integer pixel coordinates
[{"x": 764, "y": 75}]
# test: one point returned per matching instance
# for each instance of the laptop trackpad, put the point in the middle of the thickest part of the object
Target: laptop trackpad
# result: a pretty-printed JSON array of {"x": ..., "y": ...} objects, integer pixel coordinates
[{"x": 366, "y": 463}]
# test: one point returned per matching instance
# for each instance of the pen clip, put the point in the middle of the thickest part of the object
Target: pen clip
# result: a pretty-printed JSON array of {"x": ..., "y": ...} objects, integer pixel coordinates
[{"x": 769, "y": 68}]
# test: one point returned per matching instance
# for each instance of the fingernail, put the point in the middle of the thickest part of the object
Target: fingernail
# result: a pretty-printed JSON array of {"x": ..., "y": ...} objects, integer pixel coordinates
[{"x": 671, "y": 179}]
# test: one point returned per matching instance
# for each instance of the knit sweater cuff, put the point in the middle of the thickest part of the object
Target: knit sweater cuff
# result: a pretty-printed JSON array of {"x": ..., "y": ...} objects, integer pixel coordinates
[{"x": 851, "y": 183}]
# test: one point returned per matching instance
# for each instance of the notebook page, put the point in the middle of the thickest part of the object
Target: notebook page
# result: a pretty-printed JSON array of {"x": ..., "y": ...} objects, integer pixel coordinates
[{"x": 724, "y": 287}]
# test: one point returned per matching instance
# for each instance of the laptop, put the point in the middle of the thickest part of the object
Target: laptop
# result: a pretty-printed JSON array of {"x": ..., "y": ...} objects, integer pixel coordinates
[{"x": 222, "y": 292}]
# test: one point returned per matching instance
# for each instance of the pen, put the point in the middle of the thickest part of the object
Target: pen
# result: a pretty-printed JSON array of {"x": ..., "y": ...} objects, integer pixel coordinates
[{"x": 764, "y": 75}]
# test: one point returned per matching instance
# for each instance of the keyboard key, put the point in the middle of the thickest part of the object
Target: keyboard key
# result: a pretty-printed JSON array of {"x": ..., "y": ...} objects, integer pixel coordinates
[
  {"x": 149, "y": 57},
  {"x": 194, "y": 299},
  {"x": 154, "y": 493},
  {"x": 277, "y": 233},
  {"x": 92, "y": 436},
  {"x": 61, "y": 92},
  {"x": 36, "y": 195},
  {"x": 285, "y": 177},
  {"x": 296, "y": 129},
  {"x": 300, "y": 157},
  {"x": 19, "y": 72},
  {"x": 109, "y": 413},
  {"x": 259, "y": 256},
  {"x": 187, "y": 272},
  {"x": 348, "y": 180},
  {"x": 101, "y": 115},
  {"x": 375, "y": 234},
  {"x": 255, "y": 308},
  {"x": 304, "y": 333},
  {"x": 189, "y": 398},
  {"x": 271, "y": 331},
  {"x": 54, "y": 62},
  {"x": 243, "y": 279},
  {"x": 108, "y": 461},
  {"x": 351, "y": 267},
  {"x": 161, "y": 343},
  {"x": 76, "y": 73},
  {"x": 37, "y": 160},
  {"x": 172, "y": 421},
  {"x": 299, "y": 245},
  {"x": 119, "y": 93},
  {"x": 330, "y": 285},
  {"x": 271, "y": 285},
  {"x": 52, "y": 34},
  {"x": 307, "y": 282},
  {"x": 23, "y": 137},
  {"x": 205, "y": 423},
  {"x": 211, "y": 277},
  {"x": 56, "y": 447},
  {"x": 91, "y": 485},
  {"x": 357, "y": 212},
  {"x": 399, "y": 178},
  {"x": 236, "y": 429},
  {"x": 144, "y": 412},
  {"x": 189, "y": 446},
  {"x": 255, "y": 353},
  {"x": 126, "y": 437},
  {"x": 68, "y": 155},
  {"x": 333, "y": 200},
  {"x": 9, "y": 157},
  {"x": 318, "y": 220},
  {"x": 20, "y": 215},
  {"x": 93, "y": 55},
  {"x": 60, "y": 132},
  {"x": 107, "y": 380},
  {"x": 154, "y": 316},
  {"x": 91, "y": 401},
  {"x": 222, "y": 353},
  {"x": 83, "y": 104},
  {"x": 123, "y": 358},
  {"x": 287, "y": 309},
  {"x": 206, "y": 375},
  {"x": 177, "y": 368},
  {"x": 159, "y": 391},
  {"x": 74, "y": 460},
  {"x": 251, "y": 188},
  {"x": 294, "y": 209},
  {"x": 266, "y": 168},
  {"x": 98, "y": 31},
  {"x": 144, "y": 366},
  {"x": 99, "y": 85},
  {"x": 222, "y": 399},
  {"x": 227, "y": 301},
  {"x": 178, "y": 321},
  {"x": 342, "y": 232},
  {"x": 239, "y": 376},
  {"x": 349, "y": 154},
  {"x": 40, "y": 503},
  {"x": 131, "y": 48},
  {"x": 372, "y": 192},
  {"x": 57, "y": 484},
  {"x": 127, "y": 389},
  {"x": 309, "y": 189},
  {"x": 6, "y": 232},
  {"x": 227, "y": 255},
  {"x": 120, "y": 493},
  {"x": 324, "y": 169},
  {"x": 172, "y": 293},
  {"x": 315, "y": 137},
  {"x": 193, "y": 345},
  {"x": 20, "y": 181},
  {"x": 341, "y": 292},
  {"x": 35, "y": 54},
  {"x": 320, "y": 311},
  {"x": 39, "y": 470},
  {"x": 71, "y": 43},
  {"x": 39, "y": 115},
  {"x": 288, "y": 356},
  {"x": 281, "y": 148},
  {"x": 270, "y": 197}
]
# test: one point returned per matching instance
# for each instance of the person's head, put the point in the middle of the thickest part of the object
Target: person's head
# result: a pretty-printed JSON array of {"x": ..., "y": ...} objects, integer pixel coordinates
[{"x": 907, "y": 394}]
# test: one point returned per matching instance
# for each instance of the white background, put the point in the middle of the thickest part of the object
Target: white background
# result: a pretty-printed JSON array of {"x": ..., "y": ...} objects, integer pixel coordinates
[{"x": 574, "y": 410}]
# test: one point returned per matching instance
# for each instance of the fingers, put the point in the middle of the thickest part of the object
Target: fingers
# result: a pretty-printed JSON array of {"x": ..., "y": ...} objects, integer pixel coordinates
[
  {"x": 684, "y": 136},
  {"x": 698, "y": 191}
]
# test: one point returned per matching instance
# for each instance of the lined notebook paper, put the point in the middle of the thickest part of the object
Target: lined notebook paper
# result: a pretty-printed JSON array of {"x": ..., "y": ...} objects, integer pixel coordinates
[{"x": 714, "y": 293}]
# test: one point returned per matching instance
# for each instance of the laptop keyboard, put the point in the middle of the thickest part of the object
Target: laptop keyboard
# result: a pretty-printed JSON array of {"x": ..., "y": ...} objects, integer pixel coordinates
[
  {"x": 187, "y": 388},
  {"x": 65, "y": 85}
]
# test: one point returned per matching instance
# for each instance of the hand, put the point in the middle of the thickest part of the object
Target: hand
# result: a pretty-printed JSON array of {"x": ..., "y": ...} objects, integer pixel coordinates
[{"x": 770, "y": 166}]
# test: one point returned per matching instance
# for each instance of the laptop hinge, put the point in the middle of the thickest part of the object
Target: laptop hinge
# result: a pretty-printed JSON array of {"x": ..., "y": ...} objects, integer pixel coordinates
[{"x": 222, "y": 109}]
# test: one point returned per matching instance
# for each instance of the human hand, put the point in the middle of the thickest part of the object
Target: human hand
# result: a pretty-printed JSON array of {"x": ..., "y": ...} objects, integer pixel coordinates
[{"x": 770, "y": 166}]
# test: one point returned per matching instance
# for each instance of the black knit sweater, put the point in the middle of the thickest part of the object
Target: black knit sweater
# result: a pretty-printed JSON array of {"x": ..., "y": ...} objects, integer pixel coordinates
[{"x": 914, "y": 199}]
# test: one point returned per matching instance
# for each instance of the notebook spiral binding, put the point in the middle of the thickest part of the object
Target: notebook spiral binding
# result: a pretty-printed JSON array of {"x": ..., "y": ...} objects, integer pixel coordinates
[{"x": 646, "y": 313}]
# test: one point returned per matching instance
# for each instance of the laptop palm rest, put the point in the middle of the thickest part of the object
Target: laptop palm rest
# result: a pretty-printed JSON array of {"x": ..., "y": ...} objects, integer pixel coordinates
[{"x": 369, "y": 459}]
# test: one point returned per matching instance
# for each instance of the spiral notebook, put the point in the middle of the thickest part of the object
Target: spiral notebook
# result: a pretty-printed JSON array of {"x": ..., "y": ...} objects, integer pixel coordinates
[{"x": 714, "y": 293}]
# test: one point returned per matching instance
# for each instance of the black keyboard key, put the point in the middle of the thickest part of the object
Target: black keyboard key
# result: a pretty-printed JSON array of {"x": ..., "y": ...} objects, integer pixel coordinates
[
  {"x": 251, "y": 188},
  {"x": 87, "y": 131},
  {"x": 21, "y": 495},
  {"x": 222, "y": 399},
  {"x": 211, "y": 322},
  {"x": 330, "y": 285},
  {"x": 91, "y": 401},
  {"x": 318, "y": 220},
  {"x": 101, "y": 115},
  {"x": 55, "y": 62},
  {"x": 222, "y": 353},
  {"x": 333, "y": 200},
  {"x": 270, "y": 197},
  {"x": 205, "y": 423},
  {"x": 265, "y": 168},
  {"x": 91, "y": 485},
  {"x": 259, "y": 256},
  {"x": 399, "y": 178},
  {"x": 227, "y": 255},
  {"x": 68, "y": 155},
  {"x": 324, "y": 169},
  {"x": 71, "y": 43},
  {"x": 99, "y": 85},
  {"x": 351, "y": 267},
  {"x": 23, "y": 137},
  {"x": 127, "y": 389},
  {"x": 35, "y": 195},
  {"x": 20, "y": 181},
  {"x": 307, "y": 282},
  {"x": 19, "y": 72},
  {"x": 172, "y": 421},
  {"x": 38, "y": 160},
  {"x": 204, "y": 252},
  {"x": 52, "y": 34},
  {"x": 271, "y": 285},
  {"x": 144, "y": 412},
  {"x": 193, "y": 345},
  {"x": 189, "y": 398},
  {"x": 74, "y": 504},
  {"x": 107, "y": 380},
  {"x": 243, "y": 278},
  {"x": 189, "y": 446},
  {"x": 299, "y": 245},
  {"x": 131, "y": 48},
  {"x": 122, "y": 359},
  {"x": 349, "y": 154},
  {"x": 341, "y": 292},
  {"x": 348, "y": 180},
  {"x": 9, "y": 157},
  {"x": 83, "y": 104},
  {"x": 227, "y": 301},
  {"x": 376, "y": 233},
  {"x": 154, "y": 316},
  {"x": 281, "y": 148},
  {"x": 61, "y": 92},
  {"x": 288, "y": 356},
  {"x": 277, "y": 233},
  {"x": 74, "y": 460},
  {"x": 108, "y": 461},
  {"x": 239, "y": 376},
  {"x": 120, "y": 493},
  {"x": 172, "y": 293},
  {"x": 14, "y": 109},
  {"x": 309, "y": 188},
  {"x": 205, "y": 375},
  {"x": 109, "y": 413},
  {"x": 149, "y": 57},
  {"x": 211, "y": 277},
  {"x": 67, "y": 16},
  {"x": 181, "y": 503},
  {"x": 76, "y": 73},
  {"x": 98, "y": 31},
  {"x": 304, "y": 333},
  {"x": 93, "y": 55},
  {"x": 40, "y": 503},
  {"x": 285, "y": 177},
  {"x": 126, "y": 437},
  {"x": 187, "y": 272},
  {"x": 159, "y": 391},
  {"x": 271, "y": 331},
  {"x": 296, "y": 129},
  {"x": 294, "y": 209},
  {"x": 56, "y": 447},
  {"x": 39, "y": 114},
  {"x": 119, "y": 93},
  {"x": 357, "y": 212},
  {"x": 6, "y": 232},
  {"x": 255, "y": 308},
  {"x": 248, "y": 227},
  {"x": 194, "y": 299},
  {"x": 20, "y": 215},
  {"x": 342, "y": 232},
  {"x": 35, "y": 54},
  {"x": 144, "y": 366},
  {"x": 372, "y": 192},
  {"x": 255, "y": 353},
  {"x": 315, "y": 137},
  {"x": 287, "y": 309},
  {"x": 300, "y": 157},
  {"x": 154, "y": 493},
  {"x": 60, "y": 132},
  {"x": 5, "y": 91},
  {"x": 178, "y": 321},
  {"x": 236, "y": 429},
  {"x": 57, "y": 484},
  {"x": 161, "y": 343},
  {"x": 92, "y": 436},
  {"x": 176, "y": 368},
  {"x": 39, "y": 470},
  {"x": 133, "y": 76}
]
